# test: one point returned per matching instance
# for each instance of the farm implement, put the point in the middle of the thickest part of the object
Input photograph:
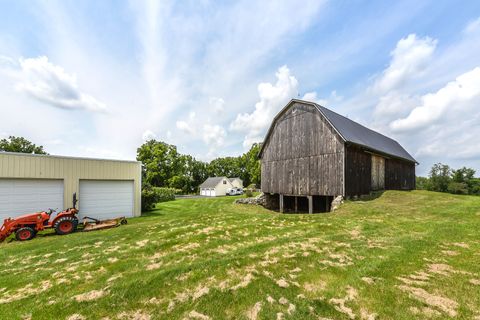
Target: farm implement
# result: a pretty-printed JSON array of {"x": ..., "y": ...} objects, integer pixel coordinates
[{"x": 27, "y": 226}]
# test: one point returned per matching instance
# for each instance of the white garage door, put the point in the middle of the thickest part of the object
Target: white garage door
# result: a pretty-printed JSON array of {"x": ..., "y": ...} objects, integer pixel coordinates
[
  {"x": 105, "y": 199},
  {"x": 21, "y": 196}
]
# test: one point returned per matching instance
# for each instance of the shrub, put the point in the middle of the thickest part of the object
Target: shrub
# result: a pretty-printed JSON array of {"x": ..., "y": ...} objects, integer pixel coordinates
[
  {"x": 149, "y": 198},
  {"x": 458, "y": 188},
  {"x": 167, "y": 194},
  {"x": 249, "y": 193},
  {"x": 153, "y": 195}
]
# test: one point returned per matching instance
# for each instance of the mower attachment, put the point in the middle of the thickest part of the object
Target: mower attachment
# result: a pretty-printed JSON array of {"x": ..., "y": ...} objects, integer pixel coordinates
[{"x": 95, "y": 224}]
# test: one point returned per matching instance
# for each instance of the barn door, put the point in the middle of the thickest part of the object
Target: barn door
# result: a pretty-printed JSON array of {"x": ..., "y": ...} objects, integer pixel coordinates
[{"x": 378, "y": 173}]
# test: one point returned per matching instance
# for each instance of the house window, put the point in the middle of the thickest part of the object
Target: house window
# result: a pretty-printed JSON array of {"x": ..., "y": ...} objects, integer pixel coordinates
[{"x": 224, "y": 181}]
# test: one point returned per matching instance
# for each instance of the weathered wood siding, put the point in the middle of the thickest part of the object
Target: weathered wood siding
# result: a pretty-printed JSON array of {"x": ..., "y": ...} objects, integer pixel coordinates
[
  {"x": 358, "y": 171},
  {"x": 359, "y": 176},
  {"x": 399, "y": 175},
  {"x": 303, "y": 155}
]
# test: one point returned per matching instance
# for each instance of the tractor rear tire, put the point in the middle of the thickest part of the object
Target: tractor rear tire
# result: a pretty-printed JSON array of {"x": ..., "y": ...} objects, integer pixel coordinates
[
  {"x": 66, "y": 225},
  {"x": 25, "y": 233}
]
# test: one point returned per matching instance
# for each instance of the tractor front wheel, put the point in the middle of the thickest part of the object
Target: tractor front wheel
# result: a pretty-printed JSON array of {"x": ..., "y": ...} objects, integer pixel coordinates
[
  {"x": 65, "y": 225},
  {"x": 24, "y": 234}
]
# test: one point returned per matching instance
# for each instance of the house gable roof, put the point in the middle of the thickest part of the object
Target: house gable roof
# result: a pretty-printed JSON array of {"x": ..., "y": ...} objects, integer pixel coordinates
[
  {"x": 212, "y": 182},
  {"x": 352, "y": 132}
]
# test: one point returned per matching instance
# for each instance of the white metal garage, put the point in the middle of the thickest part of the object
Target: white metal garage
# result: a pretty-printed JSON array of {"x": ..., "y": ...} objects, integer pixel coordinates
[
  {"x": 105, "y": 199},
  {"x": 21, "y": 196}
]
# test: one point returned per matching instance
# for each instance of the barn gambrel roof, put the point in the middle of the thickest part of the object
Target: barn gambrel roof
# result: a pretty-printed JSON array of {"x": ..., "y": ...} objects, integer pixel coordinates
[{"x": 352, "y": 132}]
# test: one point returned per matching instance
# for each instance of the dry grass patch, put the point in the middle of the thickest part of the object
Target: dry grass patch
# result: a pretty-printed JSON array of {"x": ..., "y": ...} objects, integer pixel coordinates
[
  {"x": 446, "y": 305},
  {"x": 90, "y": 296}
]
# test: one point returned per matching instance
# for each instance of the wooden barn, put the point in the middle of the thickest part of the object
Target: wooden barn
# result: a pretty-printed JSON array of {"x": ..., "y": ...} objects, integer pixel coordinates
[{"x": 312, "y": 154}]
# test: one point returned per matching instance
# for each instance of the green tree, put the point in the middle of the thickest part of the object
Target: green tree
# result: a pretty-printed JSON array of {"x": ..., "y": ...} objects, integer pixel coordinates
[
  {"x": 466, "y": 176},
  {"x": 164, "y": 166},
  {"x": 422, "y": 183},
  {"x": 228, "y": 167},
  {"x": 252, "y": 165},
  {"x": 440, "y": 177},
  {"x": 20, "y": 144},
  {"x": 161, "y": 162}
]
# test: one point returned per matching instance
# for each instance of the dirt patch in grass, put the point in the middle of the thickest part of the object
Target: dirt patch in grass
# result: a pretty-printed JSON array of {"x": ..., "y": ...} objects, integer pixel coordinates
[
  {"x": 461, "y": 245},
  {"x": 425, "y": 311},
  {"x": 90, "y": 296},
  {"x": 200, "y": 292},
  {"x": 315, "y": 286},
  {"x": 245, "y": 282},
  {"x": 25, "y": 292},
  {"x": 446, "y": 305},
  {"x": 440, "y": 268},
  {"x": 154, "y": 266},
  {"x": 134, "y": 315},
  {"x": 340, "y": 303},
  {"x": 187, "y": 247},
  {"x": 369, "y": 280},
  {"x": 365, "y": 315},
  {"x": 282, "y": 283},
  {"x": 197, "y": 315},
  {"x": 475, "y": 282},
  {"x": 142, "y": 243},
  {"x": 114, "y": 277},
  {"x": 252, "y": 313},
  {"x": 76, "y": 316},
  {"x": 291, "y": 308},
  {"x": 450, "y": 253}
]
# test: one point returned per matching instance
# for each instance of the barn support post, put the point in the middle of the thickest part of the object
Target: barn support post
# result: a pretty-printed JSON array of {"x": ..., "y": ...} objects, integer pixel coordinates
[
  {"x": 281, "y": 203},
  {"x": 296, "y": 204},
  {"x": 310, "y": 204},
  {"x": 327, "y": 204}
]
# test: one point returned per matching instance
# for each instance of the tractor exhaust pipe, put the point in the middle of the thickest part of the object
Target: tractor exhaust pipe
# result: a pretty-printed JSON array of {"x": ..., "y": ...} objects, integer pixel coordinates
[{"x": 74, "y": 200}]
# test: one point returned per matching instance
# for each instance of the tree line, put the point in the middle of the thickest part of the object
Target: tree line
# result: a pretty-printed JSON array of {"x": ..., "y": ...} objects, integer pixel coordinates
[
  {"x": 442, "y": 178},
  {"x": 163, "y": 166}
]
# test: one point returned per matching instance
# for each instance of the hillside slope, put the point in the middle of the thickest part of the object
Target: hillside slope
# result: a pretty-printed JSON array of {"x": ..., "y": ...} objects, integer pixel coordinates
[{"x": 403, "y": 255}]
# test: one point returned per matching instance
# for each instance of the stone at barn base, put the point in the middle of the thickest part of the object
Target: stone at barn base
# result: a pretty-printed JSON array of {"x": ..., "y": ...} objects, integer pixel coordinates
[
  {"x": 258, "y": 200},
  {"x": 336, "y": 203}
]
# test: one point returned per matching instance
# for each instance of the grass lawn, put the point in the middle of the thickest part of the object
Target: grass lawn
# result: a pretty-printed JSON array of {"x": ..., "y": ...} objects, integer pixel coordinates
[{"x": 403, "y": 255}]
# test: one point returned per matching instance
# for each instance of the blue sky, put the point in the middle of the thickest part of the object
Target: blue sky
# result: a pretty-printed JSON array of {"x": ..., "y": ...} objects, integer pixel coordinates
[{"x": 97, "y": 78}]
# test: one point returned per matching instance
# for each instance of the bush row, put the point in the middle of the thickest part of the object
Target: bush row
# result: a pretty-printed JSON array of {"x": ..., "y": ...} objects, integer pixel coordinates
[{"x": 153, "y": 195}]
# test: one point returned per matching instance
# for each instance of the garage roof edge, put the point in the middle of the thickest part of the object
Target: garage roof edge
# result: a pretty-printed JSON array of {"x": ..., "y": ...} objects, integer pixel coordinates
[{"x": 63, "y": 157}]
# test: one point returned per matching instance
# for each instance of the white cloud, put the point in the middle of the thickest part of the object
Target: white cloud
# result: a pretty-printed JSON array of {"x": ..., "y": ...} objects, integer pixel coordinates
[
  {"x": 149, "y": 135},
  {"x": 473, "y": 26},
  {"x": 313, "y": 97},
  {"x": 457, "y": 98},
  {"x": 409, "y": 59},
  {"x": 188, "y": 126},
  {"x": 214, "y": 135},
  {"x": 50, "y": 84},
  {"x": 272, "y": 98},
  {"x": 217, "y": 104}
]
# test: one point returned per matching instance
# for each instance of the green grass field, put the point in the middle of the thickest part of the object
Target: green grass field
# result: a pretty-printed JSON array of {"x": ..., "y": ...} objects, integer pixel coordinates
[{"x": 403, "y": 255}]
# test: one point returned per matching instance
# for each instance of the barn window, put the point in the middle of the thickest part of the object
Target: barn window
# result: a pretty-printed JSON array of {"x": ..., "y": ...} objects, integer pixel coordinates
[{"x": 224, "y": 181}]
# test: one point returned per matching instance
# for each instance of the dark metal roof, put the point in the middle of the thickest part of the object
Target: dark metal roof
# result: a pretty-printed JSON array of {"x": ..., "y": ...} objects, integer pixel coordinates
[
  {"x": 212, "y": 182},
  {"x": 353, "y": 132}
]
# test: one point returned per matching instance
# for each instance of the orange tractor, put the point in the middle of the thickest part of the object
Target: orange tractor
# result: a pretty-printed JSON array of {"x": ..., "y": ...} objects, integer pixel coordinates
[{"x": 26, "y": 227}]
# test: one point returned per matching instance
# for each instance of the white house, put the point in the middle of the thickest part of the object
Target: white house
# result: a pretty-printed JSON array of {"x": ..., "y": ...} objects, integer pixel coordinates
[
  {"x": 215, "y": 186},
  {"x": 236, "y": 182}
]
